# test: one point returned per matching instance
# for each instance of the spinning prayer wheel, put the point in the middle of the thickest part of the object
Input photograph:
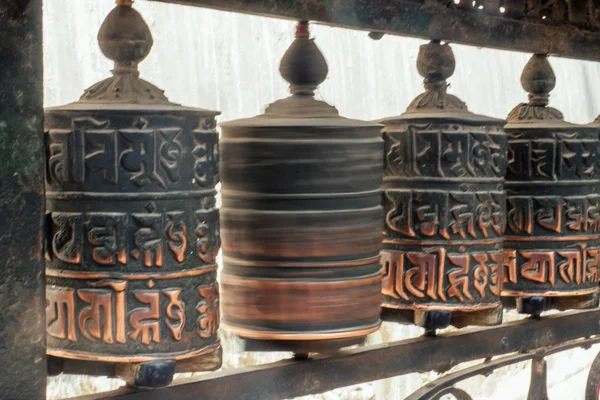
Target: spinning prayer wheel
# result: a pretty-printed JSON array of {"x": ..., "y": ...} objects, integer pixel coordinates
[
  {"x": 301, "y": 218},
  {"x": 553, "y": 214},
  {"x": 133, "y": 225},
  {"x": 444, "y": 206}
]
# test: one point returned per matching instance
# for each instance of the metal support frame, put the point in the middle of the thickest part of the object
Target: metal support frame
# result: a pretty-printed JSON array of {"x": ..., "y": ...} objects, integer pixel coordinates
[
  {"x": 291, "y": 378},
  {"x": 22, "y": 327},
  {"x": 430, "y": 20}
]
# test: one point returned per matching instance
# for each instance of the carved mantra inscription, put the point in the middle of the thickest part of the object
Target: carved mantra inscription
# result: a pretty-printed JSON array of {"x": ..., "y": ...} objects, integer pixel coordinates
[
  {"x": 108, "y": 238},
  {"x": 133, "y": 235},
  {"x": 444, "y": 215},
  {"x": 448, "y": 151},
  {"x": 145, "y": 156},
  {"x": 553, "y": 156},
  {"x": 577, "y": 266},
  {"x": 553, "y": 214},
  {"x": 109, "y": 312},
  {"x": 442, "y": 277}
]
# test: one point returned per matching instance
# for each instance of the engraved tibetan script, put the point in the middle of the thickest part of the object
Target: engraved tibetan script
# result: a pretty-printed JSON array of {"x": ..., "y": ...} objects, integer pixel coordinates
[
  {"x": 442, "y": 277},
  {"x": 559, "y": 155},
  {"x": 141, "y": 154},
  {"x": 551, "y": 215},
  {"x": 100, "y": 312},
  {"x": 208, "y": 307},
  {"x": 109, "y": 238},
  {"x": 444, "y": 151},
  {"x": 576, "y": 266},
  {"x": 445, "y": 215}
]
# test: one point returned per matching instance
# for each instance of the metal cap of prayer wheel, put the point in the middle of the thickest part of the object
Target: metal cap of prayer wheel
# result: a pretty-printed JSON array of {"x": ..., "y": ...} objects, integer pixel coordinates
[
  {"x": 444, "y": 206},
  {"x": 301, "y": 218},
  {"x": 132, "y": 222},
  {"x": 553, "y": 215}
]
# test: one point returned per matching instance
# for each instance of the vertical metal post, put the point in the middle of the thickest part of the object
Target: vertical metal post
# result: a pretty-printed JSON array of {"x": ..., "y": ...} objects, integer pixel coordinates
[{"x": 22, "y": 328}]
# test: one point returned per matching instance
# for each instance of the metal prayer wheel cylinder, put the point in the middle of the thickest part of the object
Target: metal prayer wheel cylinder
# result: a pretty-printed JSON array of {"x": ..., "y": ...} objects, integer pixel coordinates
[
  {"x": 301, "y": 217},
  {"x": 444, "y": 205},
  {"x": 132, "y": 222},
  {"x": 553, "y": 214}
]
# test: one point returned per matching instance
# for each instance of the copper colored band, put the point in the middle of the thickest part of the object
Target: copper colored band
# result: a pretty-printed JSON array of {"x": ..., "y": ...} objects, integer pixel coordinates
[
  {"x": 260, "y": 335},
  {"x": 441, "y": 307},
  {"x": 76, "y": 355},
  {"x": 550, "y": 238},
  {"x": 331, "y": 264},
  {"x": 227, "y": 279},
  {"x": 129, "y": 277},
  {"x": 550, "y": 293},
  {"x": 272, "y": 304},
  {"x": 442, "y": 242}
]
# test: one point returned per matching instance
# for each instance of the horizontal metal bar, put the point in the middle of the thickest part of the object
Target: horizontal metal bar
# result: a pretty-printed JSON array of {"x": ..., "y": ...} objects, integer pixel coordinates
[
  {"x": 299, "y": 378},
  {"x": 434, "y": 20}
]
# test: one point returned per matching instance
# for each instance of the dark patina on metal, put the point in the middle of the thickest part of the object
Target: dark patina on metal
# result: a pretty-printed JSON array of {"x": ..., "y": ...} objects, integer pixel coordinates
[
  {"x": 444, "y": 206},
  {"x": 553, "y": 203},
  {"x": 301, "y": 217},
  {"x": 22, "y": 358},
  {"x": 133, "y": 225},
  {"x": 560, "y": 27}
]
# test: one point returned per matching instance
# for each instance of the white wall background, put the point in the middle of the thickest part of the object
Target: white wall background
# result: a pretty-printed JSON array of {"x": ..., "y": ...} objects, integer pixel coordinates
[{"x": 229, "y": 62}]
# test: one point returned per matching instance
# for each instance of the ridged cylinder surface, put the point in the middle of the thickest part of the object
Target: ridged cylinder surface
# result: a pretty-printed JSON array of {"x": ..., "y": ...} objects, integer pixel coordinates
[
  {"x": 553, "y": 210},
  {"x": 444, "y": 213},
  {"x": 133, "y": 232},
  {"x": 301, "y": 228}
]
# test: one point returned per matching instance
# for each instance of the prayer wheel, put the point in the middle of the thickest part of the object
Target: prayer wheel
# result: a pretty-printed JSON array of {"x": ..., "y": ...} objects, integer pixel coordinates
[
  {"x": 444, "y": 206},
  {"x": 132, "y": 220},
  {"x": 553, "y": 215},
  {"x": 301, "y": 218}
]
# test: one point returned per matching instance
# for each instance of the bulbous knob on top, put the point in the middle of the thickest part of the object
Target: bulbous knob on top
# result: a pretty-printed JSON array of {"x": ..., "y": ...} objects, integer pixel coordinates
[
  {"x": 435, "y": 63},
  {"x": 303, "y": 65},
  {"x": 538, "y": 79},
  {"x": 125, "y": 38}
]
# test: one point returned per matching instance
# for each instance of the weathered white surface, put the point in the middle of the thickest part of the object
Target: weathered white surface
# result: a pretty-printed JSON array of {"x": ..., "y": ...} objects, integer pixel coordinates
[{"x": 229, "y": 62}]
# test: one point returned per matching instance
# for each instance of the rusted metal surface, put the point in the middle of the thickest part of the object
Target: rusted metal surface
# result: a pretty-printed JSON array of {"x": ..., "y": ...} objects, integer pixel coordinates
[
  {"x": 288, "y": 379},
  {"x": 444, "y": 204},
  {"x": 301, "y": 215},
  {"x": 553, "y": 207},
  {"x": 22, "y": 358},
  {"x": 133, "y": 235},
  {"x": 543, "y": 29}
]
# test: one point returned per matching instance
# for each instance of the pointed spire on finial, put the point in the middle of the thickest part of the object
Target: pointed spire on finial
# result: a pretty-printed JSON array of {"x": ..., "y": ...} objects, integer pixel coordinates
[
  {"x": 125, "y": 38},
  {"x": 436, "y": 64},
  {"x": 538, "y": 80},
  {"x": 303, "y": 64}
]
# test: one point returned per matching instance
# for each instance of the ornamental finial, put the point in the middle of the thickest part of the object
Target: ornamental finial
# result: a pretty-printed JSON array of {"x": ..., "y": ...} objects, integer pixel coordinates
[
  {"x": 303, "y": 65},
  {"x": 435, "y": 63},
  {"x": 538, "y": 79},
  {"x": 125, "y": 38}
]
